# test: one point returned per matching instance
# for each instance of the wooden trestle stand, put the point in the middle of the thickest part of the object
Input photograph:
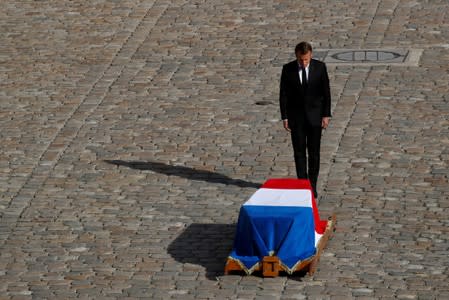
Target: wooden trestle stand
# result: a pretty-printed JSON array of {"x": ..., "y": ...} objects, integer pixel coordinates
[{"x": 270, "y": 266}]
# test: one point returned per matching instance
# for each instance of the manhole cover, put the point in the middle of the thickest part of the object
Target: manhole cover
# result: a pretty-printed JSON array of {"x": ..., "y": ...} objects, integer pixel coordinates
[{"x": 370, "y": 56}]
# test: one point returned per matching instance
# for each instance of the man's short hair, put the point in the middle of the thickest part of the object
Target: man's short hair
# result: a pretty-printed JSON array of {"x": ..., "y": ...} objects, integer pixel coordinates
[{"x": 303, "y": 48}]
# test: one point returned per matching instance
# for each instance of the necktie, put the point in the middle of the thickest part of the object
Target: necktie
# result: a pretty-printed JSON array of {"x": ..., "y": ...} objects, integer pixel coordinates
[{"x": 304, "y": 77}]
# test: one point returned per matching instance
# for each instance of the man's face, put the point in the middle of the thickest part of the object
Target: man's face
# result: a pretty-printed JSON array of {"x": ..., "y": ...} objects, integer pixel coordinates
[{"x": 304, "y": 59}]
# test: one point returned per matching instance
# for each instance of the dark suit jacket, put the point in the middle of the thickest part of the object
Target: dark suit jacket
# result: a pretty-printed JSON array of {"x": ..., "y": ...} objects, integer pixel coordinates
[{"x": 298, "y": 104}]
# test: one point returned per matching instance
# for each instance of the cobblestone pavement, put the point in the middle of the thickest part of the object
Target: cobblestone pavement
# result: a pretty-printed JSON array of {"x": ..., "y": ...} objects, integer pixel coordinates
[{"x": 131, "y": 136}]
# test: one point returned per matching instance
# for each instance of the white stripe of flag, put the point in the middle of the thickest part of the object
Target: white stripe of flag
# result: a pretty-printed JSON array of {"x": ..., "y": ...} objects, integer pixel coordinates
[{"x": 281, "y": 197}]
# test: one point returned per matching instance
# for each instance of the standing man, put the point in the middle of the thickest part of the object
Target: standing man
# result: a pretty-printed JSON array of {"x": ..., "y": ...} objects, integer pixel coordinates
[{"x": 305, "y": 102}]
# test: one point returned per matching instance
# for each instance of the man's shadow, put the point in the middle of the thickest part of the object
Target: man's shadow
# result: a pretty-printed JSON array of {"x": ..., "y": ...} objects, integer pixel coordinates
[
  {"x": 207, "y": 245},
  {"x": 184, "y": 172}
]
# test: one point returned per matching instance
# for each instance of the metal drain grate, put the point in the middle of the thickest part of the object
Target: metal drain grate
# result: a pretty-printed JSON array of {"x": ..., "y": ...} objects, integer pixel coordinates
[
  {"x": 370, "y": 56},
  {"x": 263, "y": 103}
]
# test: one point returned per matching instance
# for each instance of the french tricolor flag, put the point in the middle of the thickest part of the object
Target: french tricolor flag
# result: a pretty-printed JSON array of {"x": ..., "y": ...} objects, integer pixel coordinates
[{"x": 280, "y": 219}]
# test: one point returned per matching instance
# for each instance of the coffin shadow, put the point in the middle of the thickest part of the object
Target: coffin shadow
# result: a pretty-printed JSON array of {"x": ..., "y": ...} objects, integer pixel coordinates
[{"x": 207, "y": 245}]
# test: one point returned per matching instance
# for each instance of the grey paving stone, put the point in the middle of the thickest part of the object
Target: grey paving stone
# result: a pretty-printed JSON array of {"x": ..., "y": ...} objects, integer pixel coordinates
[{"x": 168, "y": 90}]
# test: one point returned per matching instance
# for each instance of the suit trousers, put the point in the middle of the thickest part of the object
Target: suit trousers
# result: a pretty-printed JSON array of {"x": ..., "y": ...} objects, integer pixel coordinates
[{"x": 306, "y": 140}]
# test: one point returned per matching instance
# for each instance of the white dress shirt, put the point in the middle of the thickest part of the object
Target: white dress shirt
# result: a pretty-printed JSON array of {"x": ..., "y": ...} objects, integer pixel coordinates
[{"x": 300, "y": 72}]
